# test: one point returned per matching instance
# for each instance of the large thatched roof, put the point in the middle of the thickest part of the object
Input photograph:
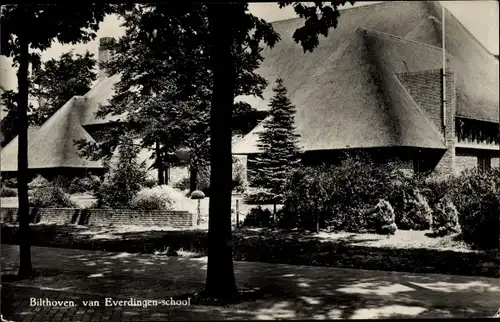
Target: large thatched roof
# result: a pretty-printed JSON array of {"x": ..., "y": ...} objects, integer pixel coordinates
[{"x": 346, "y": 91}]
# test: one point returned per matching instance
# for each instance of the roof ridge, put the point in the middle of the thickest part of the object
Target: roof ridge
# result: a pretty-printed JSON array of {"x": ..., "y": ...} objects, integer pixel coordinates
[
  {"x": 384, "y": 34},
  {"x": 467, "y": 30},
  {"x": 341, "y": 9}
]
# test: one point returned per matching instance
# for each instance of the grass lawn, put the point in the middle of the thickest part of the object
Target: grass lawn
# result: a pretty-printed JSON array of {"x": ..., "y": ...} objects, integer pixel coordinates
[{"x": 409, "y": 251}]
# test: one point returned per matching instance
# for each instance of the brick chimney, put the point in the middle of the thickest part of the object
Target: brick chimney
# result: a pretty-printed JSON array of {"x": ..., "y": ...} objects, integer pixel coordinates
[{"x": 103, "y": 57}]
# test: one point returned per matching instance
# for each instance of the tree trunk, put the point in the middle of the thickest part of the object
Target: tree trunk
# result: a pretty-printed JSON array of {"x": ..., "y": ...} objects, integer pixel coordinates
[
  {"x": 193, "y": 178},
  {"x": 159, "y": 164},
  {"x": 220, "y": 281},
  {"x": 25, "y": 267}
]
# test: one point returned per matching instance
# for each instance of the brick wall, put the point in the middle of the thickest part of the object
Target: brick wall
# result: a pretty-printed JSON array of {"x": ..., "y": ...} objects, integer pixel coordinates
[
  {"x": 426, "y": 89},
  {"x": 103, "y": 217},
  {"x": 465, "y": 160},
  {"x": 495, "y": 162}
]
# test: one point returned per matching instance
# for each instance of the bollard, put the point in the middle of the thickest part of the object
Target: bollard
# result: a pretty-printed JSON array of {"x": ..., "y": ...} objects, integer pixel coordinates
[{"x": 237, "y": 213}]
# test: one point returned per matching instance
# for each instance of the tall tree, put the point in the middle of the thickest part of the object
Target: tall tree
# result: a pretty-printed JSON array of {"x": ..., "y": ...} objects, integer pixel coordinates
[
  {"x": 226, "y": 22},
  {"x": 165, "y": 86},
  {"x": 58, "y": 80},
  {"x": 278, "y": 143},
  {"x": 35, "y": 27}
]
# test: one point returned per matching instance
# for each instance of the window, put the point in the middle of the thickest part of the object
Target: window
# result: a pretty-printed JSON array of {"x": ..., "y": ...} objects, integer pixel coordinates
[{"x": 484, "y": 163}]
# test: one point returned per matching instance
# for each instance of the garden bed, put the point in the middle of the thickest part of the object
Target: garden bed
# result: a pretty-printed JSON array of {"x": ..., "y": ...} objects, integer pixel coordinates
[{"x": 408, "y": 251}]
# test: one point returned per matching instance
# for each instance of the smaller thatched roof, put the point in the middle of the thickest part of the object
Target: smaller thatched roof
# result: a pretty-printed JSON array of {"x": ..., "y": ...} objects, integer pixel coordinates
[{"x": 52, "y": 145}]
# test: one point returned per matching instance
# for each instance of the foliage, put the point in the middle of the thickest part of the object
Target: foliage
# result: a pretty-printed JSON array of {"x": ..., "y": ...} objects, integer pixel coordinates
[
  {"x": 165, "y": 88},
  {"x": 337, "y": 197},
  {"x": 446, "y": 219},
  {"x": 415, "y": 213},
  {"x": 50, "y": 196},
  {"x": 62, "y": 181},
  {"x": 259, "y": 196},
  {"x": 319, "y": 18},
  {"x": 38, "y": 182},
  {"x": 10, "y": 183},
  {"x": 124, "y": 180},
  {"x": 239, "y": 184},
  {"x": 277, "y": 142},
  {"x": 149, "y": 199},
  {"x": 150, "y": 182},
  {"x": 58, "y": 80},
  {"x": 8, "y": 124},
  {"x": 197, "y": 194},
  {"x": 86, "y": 184},
  {"x": 8, "y": 192},
  {"x": 182, "y": 184},
  {"x": 258, "y": 217},
  {"x": 384, "y": 218},
  {"x": 476, "y": 197}
]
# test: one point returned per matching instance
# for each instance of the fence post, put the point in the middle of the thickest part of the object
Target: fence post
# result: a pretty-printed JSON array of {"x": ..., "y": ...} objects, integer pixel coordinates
[{"x": 237, "y": 213}]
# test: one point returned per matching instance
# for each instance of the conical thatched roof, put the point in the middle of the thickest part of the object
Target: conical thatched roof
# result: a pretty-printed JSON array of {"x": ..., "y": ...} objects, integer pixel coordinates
[
  {"x": 347, "y": 92},
  {"x": 52, "y": 145}
]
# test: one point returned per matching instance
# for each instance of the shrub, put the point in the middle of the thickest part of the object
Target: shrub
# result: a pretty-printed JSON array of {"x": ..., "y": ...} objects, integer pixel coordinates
[
  {"x": 150, "y": 202},
  {"x": 445, "y": 219},
  {"x": 239, "y": 184},
  {"x": 8, "y": 192},
  {"x": 10, "y": 183},
  {"x": 50, "y": 197},
  {"x": 63, "y": 182},
  {"x": 197, "y": 194},
  {"x": 182, "y": 184},
  {"x": 150, "y": 183},
  {"x": 260, "y": 196},
  {"x": 338, "y": 197},
  {"x": 258, "y": 217},
  {"x": 152, "y": 199},
  {"x": 477, "y": 199},
  {"x": 125, "y": 178},
  {"x": 80, "y": 185},
  {"x": 415, "y": 214},
  {"x": 384, "y": 218},
  {"x": 38, "y": 182}
]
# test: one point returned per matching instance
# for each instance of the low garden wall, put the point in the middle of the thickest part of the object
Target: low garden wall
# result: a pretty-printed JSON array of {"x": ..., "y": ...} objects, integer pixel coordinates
[{"x": 103, "y": 217}]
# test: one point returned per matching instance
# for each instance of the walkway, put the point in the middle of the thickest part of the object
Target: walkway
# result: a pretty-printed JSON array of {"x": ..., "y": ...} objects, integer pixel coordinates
[{"x": 290, "y": 292}]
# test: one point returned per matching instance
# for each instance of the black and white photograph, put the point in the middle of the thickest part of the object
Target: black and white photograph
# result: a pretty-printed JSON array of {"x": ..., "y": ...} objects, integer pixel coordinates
[{"x": 179, "y": 160}]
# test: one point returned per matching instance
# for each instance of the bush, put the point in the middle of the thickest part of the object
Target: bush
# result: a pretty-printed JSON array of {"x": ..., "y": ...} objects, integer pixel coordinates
[
  {"x": 182, "y": 184},
  {"x": 10, "y": 183},
  {"x": 477, "y": 199},
  {"x": 338, "y": 197},
  {"x": 150, "y": 183},
  {"x": 152, "y": 199},
  {"x": 416, "y": 214},
  {"x": 384, "y": 218},
  {"x": 258, "y": 217},
  {"x": 63, "y": 182},
  {"x": 239, "y": 184},
  {"x": 150, "y": 202},
  {"x": 445, "y": 219},
  {"x": 50, "y": 197},
  {"x": 38, "y": 182},
  {"x": 261, "y": 197},
  {"x": 124, "y": 179},
  {"x": 81, "y": 185},
  {"x": 8, "y": 192}
]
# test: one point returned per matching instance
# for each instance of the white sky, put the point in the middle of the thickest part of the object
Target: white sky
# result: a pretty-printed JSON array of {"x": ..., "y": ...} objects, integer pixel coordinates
[{"x": 481, "y": 18}]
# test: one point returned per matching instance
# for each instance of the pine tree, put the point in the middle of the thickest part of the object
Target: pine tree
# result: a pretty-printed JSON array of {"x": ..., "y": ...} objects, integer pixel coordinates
[{"x": 278, "y": 143}]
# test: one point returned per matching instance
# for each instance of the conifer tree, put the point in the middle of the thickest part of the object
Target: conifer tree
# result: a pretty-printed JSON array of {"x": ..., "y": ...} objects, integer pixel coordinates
[{"x": 278, "y": 143}]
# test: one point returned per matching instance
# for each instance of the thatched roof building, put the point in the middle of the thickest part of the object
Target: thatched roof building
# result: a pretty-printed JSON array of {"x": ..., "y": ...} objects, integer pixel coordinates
[{"x": 358, "y": 88}]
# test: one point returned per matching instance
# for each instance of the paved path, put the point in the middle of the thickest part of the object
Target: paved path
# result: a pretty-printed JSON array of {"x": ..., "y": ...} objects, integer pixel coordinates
[{"x": 290, "y": 292}]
